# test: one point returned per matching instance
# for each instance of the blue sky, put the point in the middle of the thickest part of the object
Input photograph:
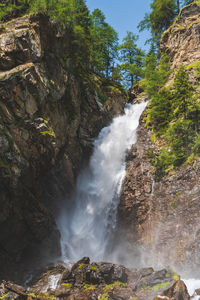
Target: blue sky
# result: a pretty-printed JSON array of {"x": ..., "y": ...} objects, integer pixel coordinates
[{"x": 124, "y": 15}]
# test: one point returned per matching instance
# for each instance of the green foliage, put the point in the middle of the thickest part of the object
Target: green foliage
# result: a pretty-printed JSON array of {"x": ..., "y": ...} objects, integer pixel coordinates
[
  {"x": 92, "y": 41},
  {"x": 155, "y": 75},
  {"x": 104, "y": 44},
  {"x": 161, "y": 16},
  {"x": 159, "y": 19},
  {"x": 131, "y": 58},
  {"x": 12, "y": 8},
  {"x": 173, "y": 115},
  {"x": 183, "y": 93},
  {"x": 159, "y": 112},
  {"x": 197, "y": 144},
  {"x": 49, "y": 131}
]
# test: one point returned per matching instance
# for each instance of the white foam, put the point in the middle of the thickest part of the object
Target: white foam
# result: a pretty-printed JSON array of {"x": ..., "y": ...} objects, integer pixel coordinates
[
  {"x": 192, "y": 285},
  {"x": 86, "y": 230}
]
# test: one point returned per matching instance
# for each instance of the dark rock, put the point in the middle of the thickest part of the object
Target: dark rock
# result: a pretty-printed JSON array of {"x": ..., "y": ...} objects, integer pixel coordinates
[
  {"x": 95, "y": 281},
  {"x": 119, "y": 274},
  {"x": 197, "y": 291},
  {"x": 46, "y": 138},
  {"x": 82, "y": 261},
  {"x": 178, "y": 291}
]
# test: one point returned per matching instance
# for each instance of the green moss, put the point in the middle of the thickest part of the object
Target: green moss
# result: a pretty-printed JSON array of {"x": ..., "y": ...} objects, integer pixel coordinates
[
  {"x": 93, "y": 268},
  {"x": 146, "y": 287},
  {"x": 81, "y": 266},
  {"x": 104, "y": 296},
  {"x": 67, "y": 285},
  {"x": 172, "y": 203},
  {"x": 175, "y": 275},
  {"x": 150, "y": 270},
  {"x": 46, "y": 296},
  {"x": 160, "y": 286},
  {"x": 89, "y": 287},
  {"x": 4, "y": 296},
  {"x": 178, "y": 193},
  {"x": 156, "y": 287},
  {"x": 116, "y": 284},
  {"x": 32, "y": 295}
]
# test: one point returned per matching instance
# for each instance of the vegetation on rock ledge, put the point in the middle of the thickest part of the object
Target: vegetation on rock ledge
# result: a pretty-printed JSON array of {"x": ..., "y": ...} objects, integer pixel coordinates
[{"x": 173, "y": 116}]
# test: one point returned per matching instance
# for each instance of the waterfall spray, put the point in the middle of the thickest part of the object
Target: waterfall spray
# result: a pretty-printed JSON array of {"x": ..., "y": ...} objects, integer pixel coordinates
[{"x": 87, "y": 228}]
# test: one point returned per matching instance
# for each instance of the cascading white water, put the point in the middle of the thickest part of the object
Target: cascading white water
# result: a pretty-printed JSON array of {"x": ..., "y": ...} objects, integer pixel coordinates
[
  {"x": 85, "y": 230},
  {"x": 192, "y": 285}
]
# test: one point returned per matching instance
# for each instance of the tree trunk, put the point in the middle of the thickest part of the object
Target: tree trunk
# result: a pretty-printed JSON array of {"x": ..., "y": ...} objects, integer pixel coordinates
[
  {"x": 178, "y": 6},
  {"x": 131, "y": 80}
]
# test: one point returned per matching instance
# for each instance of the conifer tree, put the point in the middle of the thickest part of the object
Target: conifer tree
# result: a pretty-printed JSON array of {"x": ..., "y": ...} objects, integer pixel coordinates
[
  {"x": 104, "y": 44},
  {"x": 159, "y": 19},
  {"x": 131, "y": 58},
  {"x": 183, "y": 93}
]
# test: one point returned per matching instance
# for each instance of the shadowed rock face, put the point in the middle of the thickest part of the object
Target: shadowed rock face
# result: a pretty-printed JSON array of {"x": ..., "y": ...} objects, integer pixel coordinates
[
  {"x": 161, "y": 219},
  {"x": 48, "y": 121}
]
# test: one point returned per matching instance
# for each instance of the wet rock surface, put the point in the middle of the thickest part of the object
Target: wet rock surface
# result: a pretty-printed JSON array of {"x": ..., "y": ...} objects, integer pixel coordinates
[
  {"x": 160, "y": 218},
  {"x": 94, "y": 281}
]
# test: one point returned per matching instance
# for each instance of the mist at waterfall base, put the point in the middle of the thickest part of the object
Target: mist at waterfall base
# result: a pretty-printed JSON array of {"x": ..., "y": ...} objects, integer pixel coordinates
[{"x": 87, "y": 226}]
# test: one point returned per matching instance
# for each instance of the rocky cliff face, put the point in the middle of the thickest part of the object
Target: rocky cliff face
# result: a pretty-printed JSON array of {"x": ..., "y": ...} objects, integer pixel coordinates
[
  {"x": 161, "y": 218},
  {"x": 181, "y": 40},
  {"x": 48, "y": 120}
]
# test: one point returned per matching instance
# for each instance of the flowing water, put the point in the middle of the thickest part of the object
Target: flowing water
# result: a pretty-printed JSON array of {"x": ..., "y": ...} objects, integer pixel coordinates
[
  {"x": 192, "y": 285},
  {"x": 87, "y": 228}
]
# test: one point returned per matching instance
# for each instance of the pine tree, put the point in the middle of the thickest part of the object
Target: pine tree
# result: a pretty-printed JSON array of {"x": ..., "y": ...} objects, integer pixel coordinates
[
  {"x": 160, "y": 18},
  {"x": 183, "y": 93},
  {"x": 131, "y": 58},
  {"x": 155, "y": 74},
  {"x": 104, "y": 44}
]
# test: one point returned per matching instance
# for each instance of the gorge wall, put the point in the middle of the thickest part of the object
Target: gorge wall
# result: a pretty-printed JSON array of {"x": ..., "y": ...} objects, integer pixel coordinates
[
  {"x": 162, "y": 217},
  {"x": 48, "y": 120}
]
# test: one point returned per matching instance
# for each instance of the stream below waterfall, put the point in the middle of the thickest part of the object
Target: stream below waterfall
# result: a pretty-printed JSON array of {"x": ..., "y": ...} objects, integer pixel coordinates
[{"x": 87, "y": 227}]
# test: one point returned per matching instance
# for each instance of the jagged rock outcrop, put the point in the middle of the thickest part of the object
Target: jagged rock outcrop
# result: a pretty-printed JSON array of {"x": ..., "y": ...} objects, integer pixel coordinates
[
  {"x": 160, "y": 218},
  {"x": 48, "y": 120},
  {"x": 181, "y": 40},
  {"x": 92, "y": 281}
]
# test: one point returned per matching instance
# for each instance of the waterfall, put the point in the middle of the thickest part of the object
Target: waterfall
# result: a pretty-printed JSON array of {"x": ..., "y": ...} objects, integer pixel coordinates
[{"x": 86, "y": 228}]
